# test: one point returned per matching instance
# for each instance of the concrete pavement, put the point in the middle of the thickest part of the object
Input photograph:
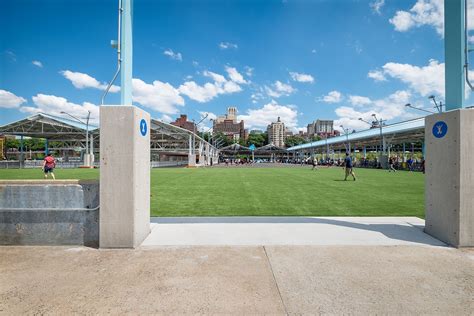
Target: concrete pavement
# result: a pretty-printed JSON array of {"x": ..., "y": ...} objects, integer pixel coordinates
[
  {"x": 273, "y": 280},
  {"x": 256, "y": 231},
  {"x": 248, "y": 265}
]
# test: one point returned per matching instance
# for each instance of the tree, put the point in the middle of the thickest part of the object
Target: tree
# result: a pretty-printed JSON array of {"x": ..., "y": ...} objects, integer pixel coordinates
[
  {"x": 224, "y": 140},
  {"x": 257, "y": 139},
  {"x": 294, "y": 140},
  {"x": 12, "y": 143}
]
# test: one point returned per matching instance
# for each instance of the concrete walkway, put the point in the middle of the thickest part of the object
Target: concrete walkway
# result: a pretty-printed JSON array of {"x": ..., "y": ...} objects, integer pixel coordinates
[
  {"x": 238, "y": 280},
  {"x": 248, "y": 266},
  {"x": 257, "y": 231}
]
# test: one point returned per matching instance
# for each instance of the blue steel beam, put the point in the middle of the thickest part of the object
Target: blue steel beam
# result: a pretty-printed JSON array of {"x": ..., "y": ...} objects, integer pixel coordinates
[
  {"x": 126, "y": 53},
  {"x": 454, "y": 46}
]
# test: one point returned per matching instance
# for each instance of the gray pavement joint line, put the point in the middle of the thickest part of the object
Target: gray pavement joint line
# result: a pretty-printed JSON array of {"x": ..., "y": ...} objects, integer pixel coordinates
[{"x": 274, "y": 279}]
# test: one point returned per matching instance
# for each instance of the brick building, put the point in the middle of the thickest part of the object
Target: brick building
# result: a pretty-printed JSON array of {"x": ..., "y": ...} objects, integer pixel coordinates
[
  {"x": 228, "y": 125},
  {"x": 183, "y": 122}
]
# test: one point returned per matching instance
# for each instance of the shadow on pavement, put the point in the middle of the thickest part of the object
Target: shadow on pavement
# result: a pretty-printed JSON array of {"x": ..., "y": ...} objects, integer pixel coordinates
[{"x": 402, "y": 230}]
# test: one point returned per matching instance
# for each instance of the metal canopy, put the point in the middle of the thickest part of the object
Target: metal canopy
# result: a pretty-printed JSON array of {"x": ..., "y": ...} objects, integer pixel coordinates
[
  {"x": 47, "y": 126},
  {"x": 168, "y": 138},
  {"x": 270, "y": 149},
  {"x": 235, "y": 148},
  {"x": 408, "y": 131}
]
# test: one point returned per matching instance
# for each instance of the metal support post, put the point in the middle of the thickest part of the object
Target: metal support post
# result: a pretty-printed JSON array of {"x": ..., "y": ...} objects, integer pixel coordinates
[
  {"x": 126, "y": 53},
  {"x": 454, "y": 54}
]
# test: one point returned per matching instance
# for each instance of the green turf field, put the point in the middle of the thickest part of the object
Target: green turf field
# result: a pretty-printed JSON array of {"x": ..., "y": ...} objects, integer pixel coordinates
[{"x": 271, "y": 191}]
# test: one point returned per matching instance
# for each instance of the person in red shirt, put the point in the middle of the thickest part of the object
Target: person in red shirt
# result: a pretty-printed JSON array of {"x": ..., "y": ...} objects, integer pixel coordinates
[{"x": 48, "y": 166}]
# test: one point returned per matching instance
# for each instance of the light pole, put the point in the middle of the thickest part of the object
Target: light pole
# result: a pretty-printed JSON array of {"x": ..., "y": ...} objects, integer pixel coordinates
[
  {"x": 408, "y": 105},
  {"x": 346, "y": 131},
  {"x": 87, "y": 132},
  {"x": 380, "y": 124},
  {"x": 439, "y": 106},
  {"x": 361, "y": 119}
]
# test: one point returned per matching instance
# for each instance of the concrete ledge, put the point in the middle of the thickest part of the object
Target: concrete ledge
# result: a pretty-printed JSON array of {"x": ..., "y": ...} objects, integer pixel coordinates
[
  {"x": 47, "y": 182},
  {"x": 42, "y": 212}
]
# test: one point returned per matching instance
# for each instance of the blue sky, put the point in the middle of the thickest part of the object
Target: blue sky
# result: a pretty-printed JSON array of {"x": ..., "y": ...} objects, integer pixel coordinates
[{"x": 301, "y": 60}]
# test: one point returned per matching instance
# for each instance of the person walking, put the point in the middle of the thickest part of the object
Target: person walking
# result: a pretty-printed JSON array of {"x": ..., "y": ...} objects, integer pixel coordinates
[
  {"x": 49, "y": 163},
  {"x": 410, "y": 164},
  {"x": 391, "y": 167},
  {"x": 315, "y": 163},
  {"x": 348, "y": 167}
]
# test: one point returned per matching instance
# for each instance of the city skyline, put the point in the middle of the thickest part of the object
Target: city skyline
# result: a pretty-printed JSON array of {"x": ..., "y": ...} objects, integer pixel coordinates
[{"x": 269, "y": 59}]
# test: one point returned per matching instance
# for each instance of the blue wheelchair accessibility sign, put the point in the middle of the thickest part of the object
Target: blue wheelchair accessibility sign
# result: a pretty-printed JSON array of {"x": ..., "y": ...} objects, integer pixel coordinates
[
  {"x": 440, "y": 129},
  {"x": 143, "y": 127}
]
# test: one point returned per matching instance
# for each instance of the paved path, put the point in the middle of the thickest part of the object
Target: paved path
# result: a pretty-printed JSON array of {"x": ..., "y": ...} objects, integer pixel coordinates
[
  {"x": 241, "y": 265},
  {"x": 272, "y": 280},
  {"x": 256, "y": 231}
]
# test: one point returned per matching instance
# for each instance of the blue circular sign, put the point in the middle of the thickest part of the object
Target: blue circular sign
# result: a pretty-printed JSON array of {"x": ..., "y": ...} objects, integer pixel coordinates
[
  {"x": 440, "y": 129},
  {"x": 143, "y": 127}
]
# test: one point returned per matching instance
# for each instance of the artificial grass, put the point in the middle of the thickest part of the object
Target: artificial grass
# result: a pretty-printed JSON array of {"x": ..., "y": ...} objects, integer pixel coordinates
[{"x": 241, "y": 191}]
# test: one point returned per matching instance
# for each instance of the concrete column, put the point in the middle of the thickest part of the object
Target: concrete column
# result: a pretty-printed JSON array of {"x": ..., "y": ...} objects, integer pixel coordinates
[
  {"x": 207, "y": 154},
  {"x": 22, "y": 155},
  {"x": 201, "y": 154},
  {"x": 124, "y": 176},
  {"x": 449, "y": 181},
  {"x": 404, "y": 154},
  {"x": 191, "y": 155}
]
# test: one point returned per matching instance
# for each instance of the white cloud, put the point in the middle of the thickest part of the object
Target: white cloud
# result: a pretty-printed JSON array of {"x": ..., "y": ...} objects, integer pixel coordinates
[
  {"x": 210, "y": 115},
  {"x": 377, "y": 75},
  {"x": 389, "y": 108},
  {"x": 173, "y": 55},
  {"x": 37, "y": 63},
  {"x": 257, "y": 96},
  {"x": 249, "y": 71},
  {"x": 377, "y": 5},
  {"x": 9, "y": 100},
  {"x": 166, "y": 118},
  {"x": 358, "y": 100},
  {"x": 424, "y": 80},
  {"x": 10, "y": 55},
  {"x": 209, "y": 91},
  {"x": 426, "y": 12},
  {"x": 279, "y": 89},
  {"x": 54, "y": 105},
  {"x": 158, "y": 96},
  {"x": 301, "y": 77},
  {"x": 331, "y": 97},
  {"x": 262, "y": 117},
  {"x": 198, "y": 93},
  {"x": 82, "y": 81},
  {"x": 235, "y": 76},
  {"x": 227, "y": 45}
]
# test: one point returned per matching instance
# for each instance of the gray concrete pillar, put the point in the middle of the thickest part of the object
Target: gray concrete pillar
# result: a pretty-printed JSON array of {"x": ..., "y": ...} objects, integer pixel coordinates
[
  {"x": 124, "y": 176},
  {"x": 449, "y": 181},
  {"x": 191, "y": 155}
]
